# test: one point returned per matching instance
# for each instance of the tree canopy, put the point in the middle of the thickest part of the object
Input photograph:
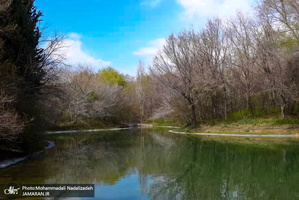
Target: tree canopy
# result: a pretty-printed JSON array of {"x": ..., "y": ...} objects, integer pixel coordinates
[{"x": 112, "y": 77}]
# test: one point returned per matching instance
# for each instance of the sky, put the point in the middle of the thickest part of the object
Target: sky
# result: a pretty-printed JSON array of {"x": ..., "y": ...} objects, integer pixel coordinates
[{"x": 119, "y": 33}]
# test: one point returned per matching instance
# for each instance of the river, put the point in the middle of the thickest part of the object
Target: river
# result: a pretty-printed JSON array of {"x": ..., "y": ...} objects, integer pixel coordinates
[{"x": 151, "y": 164}]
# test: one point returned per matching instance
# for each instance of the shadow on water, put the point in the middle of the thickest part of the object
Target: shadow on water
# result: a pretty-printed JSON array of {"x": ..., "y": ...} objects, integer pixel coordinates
[{"x": 150, "y": 165}]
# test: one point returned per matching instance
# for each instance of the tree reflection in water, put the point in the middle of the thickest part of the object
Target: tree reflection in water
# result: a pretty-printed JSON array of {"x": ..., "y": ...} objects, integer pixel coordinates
[{"x": 168, "y": 166}]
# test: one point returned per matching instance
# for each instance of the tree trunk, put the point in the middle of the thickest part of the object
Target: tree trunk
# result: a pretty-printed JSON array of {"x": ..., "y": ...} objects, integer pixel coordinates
[
  {"x": 225, "y": 111},
  {"x": 194, "y": 118},
  {"x": 283, "y": 104},
  {"x": 225, "y": 104},
  {"x": 249, "y": 105},
  {"x": 282, "y": 107}
]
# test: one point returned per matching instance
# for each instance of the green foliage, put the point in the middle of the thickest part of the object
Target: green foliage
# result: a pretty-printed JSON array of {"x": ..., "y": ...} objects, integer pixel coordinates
[
  {"x": 286, "y": 121},
  {"x": 20, "y": 41},
  {"x": 92, "y": 96},
  {"x": 287, "y": 41},
  {"x": 112, "y": 77},
  {"x": 269, "y": 116}
]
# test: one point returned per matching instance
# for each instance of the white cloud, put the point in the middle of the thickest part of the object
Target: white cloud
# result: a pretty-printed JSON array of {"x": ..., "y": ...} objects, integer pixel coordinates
[
  {"x": 210, "y": 8},
  {"x": 152, "y": 48},
  {"x": 74, "y": 36},
  {"x": 147, "y": 53},
  {"x": 72, "y": 50}
]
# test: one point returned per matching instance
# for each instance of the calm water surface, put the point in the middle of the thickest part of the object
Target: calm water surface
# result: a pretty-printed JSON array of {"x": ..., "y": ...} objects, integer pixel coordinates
[{"x": 154, "y": 165}]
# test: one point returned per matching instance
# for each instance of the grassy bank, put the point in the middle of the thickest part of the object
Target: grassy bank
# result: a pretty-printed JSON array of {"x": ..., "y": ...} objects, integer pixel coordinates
[
  {"x": 261, "y": 142},
  {"x": 283, "y": 129},
  {"x": 242, "y": 122},
  {"x": 262, "y": 122},
  {"x": 85, "y": 124}
]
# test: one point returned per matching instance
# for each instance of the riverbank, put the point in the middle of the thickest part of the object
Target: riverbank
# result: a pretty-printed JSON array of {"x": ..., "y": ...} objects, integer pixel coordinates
[
  {"x": 243, "y": 124},
  {"x": 265, "y": 129},
  {"x": 86, "y": 125},
  {"x": 15, "y": 160},
  {"x": 284, "y": 131},
  {"x": 87, "y": 130},
  {"x": 262, "y": 135},
  {"x": 245, "y": 138}
]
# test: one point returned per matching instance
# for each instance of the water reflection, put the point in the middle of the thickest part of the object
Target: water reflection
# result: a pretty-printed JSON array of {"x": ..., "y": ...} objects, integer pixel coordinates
[{"x": 150, "y": 165}]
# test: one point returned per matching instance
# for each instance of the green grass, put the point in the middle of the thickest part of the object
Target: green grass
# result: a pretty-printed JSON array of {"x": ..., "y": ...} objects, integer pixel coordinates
[
  {"x": 286, "y": 121},
  {"x": 244, "y": 117},
  {"x": 264, "y": 121}
]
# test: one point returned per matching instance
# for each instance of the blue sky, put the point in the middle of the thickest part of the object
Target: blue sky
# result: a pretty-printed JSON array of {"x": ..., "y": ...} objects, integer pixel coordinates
[{"x": 119, "y": 33}]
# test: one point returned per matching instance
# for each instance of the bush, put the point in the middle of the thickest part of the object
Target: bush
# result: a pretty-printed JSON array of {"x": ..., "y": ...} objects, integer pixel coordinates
[{"x": 11, "y": 124}]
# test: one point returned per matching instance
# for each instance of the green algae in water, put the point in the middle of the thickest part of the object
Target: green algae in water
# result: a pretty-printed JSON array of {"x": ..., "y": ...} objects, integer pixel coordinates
[{"x": 150, "y": 164}]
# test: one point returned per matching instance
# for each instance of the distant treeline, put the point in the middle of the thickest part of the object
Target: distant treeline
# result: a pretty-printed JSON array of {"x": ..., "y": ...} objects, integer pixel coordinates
[{"x": 244, "y": 63}]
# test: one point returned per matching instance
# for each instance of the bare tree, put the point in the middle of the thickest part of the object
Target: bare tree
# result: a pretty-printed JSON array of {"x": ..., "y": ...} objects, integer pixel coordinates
[
  {"x": 175, "y": 66},
  {"x": 211, "y": 68},
  {"x": 243, "y": 56},
  {"x": 87, "y": 96},
  {"x": 140, "y": 89},
  {"x": 11, "y": 124},
  {"x": 277, "y": 41},
  {"x": 283, "y": 15}
]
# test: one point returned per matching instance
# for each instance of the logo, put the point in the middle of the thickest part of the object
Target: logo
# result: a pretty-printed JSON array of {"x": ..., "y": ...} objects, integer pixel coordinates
[{"x": 12, "y": 190}]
